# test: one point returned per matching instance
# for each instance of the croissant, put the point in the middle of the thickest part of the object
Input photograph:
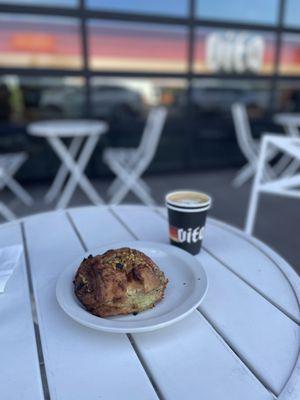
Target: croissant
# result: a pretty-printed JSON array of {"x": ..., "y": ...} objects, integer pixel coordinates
[{"x": 119, "y": 282}]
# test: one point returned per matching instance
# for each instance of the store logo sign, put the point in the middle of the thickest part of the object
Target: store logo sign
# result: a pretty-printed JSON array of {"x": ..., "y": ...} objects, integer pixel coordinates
[{"x": 234, "y": 52}]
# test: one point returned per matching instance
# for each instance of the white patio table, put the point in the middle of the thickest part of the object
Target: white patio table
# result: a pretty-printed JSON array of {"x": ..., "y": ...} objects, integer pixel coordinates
[
  {"x": 241, "y": 344},
  {"x": 85, "y": 135}
]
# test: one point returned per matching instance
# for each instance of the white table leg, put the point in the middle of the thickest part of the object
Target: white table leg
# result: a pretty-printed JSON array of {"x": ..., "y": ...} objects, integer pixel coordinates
[
  {"x": 63, "y": 171},
  {"x": 76, "y": 170},
  {"x": 253, "y": 202}
]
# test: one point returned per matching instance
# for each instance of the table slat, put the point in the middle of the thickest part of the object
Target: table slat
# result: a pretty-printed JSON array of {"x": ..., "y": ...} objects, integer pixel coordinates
[
  {"x": 80, "y": 362},
  {"x": 19, "y": 364},
  {"x": 265, "y": 338},
  {"x": 188, "y": 357},
  {"x": 263, "y": 274}
]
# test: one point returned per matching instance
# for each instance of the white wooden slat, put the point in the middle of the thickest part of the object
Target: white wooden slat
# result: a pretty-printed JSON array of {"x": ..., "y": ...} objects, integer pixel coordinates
[
  {"x": 19, "y": 365},
  {"x": 80, "y": 363},
  {"x": 289, "y": 273},
  {"x": 187, "y": 359},
  {"x": 291, "y": 390},
  {"x": 266, "y": 339},
  {"x": 190, "y": 361},
  {"x": 262, "y": 273}
]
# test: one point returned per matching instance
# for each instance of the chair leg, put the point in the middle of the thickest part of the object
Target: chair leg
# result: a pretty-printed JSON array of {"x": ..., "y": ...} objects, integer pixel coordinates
[
  {"x": 127, "y": 178},
  {"x": 117, "y": 183},
  {"x": 243, "y": 175},
  {"x": 17, "y": 189},
  {"x": 6, "y": 212},
  {"x": 254, "y": 197},
  {"x": 143, "y": 194}
]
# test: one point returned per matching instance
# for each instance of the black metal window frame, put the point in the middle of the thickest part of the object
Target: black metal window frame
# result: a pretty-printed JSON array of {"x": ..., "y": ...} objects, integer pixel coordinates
[{"x": 191, "y": 21}]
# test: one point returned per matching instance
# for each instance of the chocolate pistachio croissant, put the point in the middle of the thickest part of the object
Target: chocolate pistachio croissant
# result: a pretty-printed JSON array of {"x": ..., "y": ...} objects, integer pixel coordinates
[{"x": 120, "y": 281}]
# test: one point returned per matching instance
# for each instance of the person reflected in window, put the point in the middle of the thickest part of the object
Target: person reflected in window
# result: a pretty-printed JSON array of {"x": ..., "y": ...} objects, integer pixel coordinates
[{"x": 5, "y": 107}]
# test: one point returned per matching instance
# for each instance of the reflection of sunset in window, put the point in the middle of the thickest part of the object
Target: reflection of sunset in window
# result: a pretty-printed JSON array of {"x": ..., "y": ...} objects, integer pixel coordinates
[
  {"x": 127, "y": 46},
  {"x": 46, "y": 42},
  {"x": 290, "y": 55},
  {"x": 33, "y": 42}
]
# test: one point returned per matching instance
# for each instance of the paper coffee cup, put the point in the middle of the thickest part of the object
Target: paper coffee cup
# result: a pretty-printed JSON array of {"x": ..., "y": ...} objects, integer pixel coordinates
[{"x": 187, "y": 211}]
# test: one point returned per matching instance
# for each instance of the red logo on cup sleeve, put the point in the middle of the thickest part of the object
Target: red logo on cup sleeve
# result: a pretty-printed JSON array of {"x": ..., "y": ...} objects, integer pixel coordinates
[{"x": 188, "y": 235}]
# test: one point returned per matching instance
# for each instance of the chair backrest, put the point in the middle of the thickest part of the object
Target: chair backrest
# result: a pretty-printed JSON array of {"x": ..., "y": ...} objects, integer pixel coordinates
[
  {"x": 152, "y": 133},
  {"x": 243, "y": 131}
]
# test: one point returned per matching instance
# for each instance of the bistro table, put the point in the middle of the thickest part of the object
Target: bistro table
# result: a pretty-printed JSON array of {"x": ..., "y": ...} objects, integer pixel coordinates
[
  {"x": 85, "y": 135},
  {"x": 241, "y": 344}
]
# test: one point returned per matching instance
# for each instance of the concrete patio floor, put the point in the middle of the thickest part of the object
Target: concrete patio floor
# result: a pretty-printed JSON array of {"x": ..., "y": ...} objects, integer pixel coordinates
[{"x": 278, "y": 220}]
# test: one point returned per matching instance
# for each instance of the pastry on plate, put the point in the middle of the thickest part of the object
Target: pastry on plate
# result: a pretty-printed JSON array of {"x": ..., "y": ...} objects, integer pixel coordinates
[{"x": 119, "y": 282}]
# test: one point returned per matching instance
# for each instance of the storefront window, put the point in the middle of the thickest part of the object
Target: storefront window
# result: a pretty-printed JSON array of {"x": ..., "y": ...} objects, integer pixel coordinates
[
  {"x": 170, "y": 8},
  {"x": 288, "y": 97},
  {"x": 255, "y": 11},
  {"x": 43, "y": 42},
  {"x": 290, "y": 55},
  {"x": 229, "y": 51},
  {"x": 292, "y": 13},
  {"x": 125, "y": 104},
  {"x": 26, "y": 99},
  {"x": 47, "y": 3},
  {"x": 124, "y": 46}
]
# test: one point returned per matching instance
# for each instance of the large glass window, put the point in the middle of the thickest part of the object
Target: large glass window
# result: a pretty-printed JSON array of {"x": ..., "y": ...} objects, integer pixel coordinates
[
  {"x": 170, "y": 7},
  {"x": 43, "y": 42},
  {"x": 290, "y": 55},
  {"x": 124, "y": 46},
  {"x": 125, "y": 103},
  {"x": 255, "y": 11},
  {"x": 288, "y": 96},
  {"x": 292, "y": 13},
  {"x": 25, "y": 99},
  {"x": 48, "y": 3},
  {"x": 213, "y": 140},
  {"x": 229, "y": 51},
  {"x": 215, "y": 96}
]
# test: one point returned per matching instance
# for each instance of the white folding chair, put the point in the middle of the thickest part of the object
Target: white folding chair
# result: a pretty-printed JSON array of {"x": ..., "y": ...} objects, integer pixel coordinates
[
  {"x": 130, "y": 163},
  {"x": 248, "y": 145},
  {"x": 9, "y": 165},
  {"x": 281, "y": 185}
]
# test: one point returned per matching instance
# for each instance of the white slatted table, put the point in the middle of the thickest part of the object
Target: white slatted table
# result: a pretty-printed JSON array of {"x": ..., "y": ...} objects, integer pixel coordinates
[{"x": 241, "y": 344}]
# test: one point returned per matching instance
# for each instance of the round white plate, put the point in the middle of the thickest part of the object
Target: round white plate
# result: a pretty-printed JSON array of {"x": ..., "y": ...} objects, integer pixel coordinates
[{"x": 186, "y": 288}]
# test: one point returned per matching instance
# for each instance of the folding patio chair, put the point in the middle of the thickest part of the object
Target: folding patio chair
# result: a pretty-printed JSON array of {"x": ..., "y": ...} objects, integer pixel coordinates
[
  {"x": 287, "y": 186},
  {"x": 9, "y": 165},
  {"x": 248, "y": 145},
  {"x": 130, "y": 163}
]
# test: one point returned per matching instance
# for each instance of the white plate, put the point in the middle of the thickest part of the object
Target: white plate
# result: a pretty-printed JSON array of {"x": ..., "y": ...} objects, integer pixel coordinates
[{"x": 186, "y": 288}]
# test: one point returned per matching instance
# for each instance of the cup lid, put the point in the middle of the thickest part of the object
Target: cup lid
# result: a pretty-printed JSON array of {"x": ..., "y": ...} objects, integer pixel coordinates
[{"x": 187, "y": 199}]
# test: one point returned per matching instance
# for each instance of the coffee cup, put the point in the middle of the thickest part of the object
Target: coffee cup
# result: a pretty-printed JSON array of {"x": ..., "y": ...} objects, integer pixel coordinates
[{"x": 187, "y": 211}]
